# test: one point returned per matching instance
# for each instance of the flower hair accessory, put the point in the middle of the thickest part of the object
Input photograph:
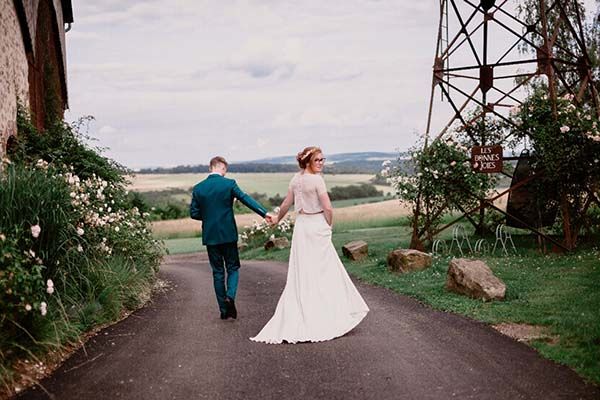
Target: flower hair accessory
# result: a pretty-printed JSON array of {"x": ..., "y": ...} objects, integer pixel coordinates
[{"x": 308, "y": 153}]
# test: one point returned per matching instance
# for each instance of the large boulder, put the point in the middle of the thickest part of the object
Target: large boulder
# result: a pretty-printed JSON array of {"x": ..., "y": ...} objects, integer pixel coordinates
[
  {"x": 277, "y": 243},
  {"x": 408, "y": 260},
  {"x": 474, "y": 279},
  {"x": 356, "y": 250}
]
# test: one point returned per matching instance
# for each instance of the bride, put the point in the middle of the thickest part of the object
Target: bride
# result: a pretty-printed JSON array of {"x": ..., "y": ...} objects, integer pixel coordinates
[{"x": 319, "y": 301}]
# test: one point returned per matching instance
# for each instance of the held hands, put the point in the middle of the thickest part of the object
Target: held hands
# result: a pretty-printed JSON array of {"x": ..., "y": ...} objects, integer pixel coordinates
[{"x": 271, "y": 219}]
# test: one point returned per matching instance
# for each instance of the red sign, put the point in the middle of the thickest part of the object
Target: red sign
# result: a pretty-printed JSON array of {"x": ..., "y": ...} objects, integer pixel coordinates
[{"x": 487, "y": 159}]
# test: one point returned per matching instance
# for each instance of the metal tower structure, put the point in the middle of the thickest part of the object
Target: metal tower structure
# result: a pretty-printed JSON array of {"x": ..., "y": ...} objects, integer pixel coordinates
[{"x": 495, "y": 54}]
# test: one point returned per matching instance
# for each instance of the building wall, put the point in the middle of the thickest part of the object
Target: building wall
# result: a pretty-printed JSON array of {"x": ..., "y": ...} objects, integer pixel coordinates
[
  {"x": 31, "y": 8},
  {"x": 13, "y": 71}
]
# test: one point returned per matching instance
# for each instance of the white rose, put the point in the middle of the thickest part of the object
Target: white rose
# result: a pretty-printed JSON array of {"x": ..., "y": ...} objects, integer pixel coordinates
[{"x": 35, "y": 231}]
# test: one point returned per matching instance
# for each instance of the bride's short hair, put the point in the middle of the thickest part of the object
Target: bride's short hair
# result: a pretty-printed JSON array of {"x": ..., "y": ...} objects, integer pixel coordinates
[{"x": 306, "y": 155}]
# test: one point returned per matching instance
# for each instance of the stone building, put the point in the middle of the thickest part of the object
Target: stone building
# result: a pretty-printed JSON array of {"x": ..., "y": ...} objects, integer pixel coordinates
[{"x": 33, "y": 67}]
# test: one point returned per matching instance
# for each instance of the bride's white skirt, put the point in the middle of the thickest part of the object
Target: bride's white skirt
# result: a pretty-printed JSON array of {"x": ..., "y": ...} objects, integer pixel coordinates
[{"x": 319, "y": 301}]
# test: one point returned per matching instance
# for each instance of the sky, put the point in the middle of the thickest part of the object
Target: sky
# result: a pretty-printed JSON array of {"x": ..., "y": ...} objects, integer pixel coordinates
[{"x": 175, "y": 82}]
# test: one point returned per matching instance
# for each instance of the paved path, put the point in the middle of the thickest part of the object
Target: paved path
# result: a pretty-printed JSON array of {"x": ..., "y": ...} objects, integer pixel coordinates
[{"x": 178, "y": 348}]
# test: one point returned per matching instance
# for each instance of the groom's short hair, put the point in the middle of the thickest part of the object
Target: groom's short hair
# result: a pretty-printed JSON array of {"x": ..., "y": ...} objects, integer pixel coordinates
[{"x": 216, "y": 161}]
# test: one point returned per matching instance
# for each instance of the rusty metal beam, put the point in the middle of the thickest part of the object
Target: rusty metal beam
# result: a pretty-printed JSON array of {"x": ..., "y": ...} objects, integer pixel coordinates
[{"x": 565, "y": 67}]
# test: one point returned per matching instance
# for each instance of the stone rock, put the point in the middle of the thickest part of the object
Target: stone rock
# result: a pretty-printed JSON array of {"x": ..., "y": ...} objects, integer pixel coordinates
[
  {"x": 474, "y": 279},
  {"x": 408, "y": 260},
  {"x": 277, "y": 243},
  {"x": 242, "y": 246},
  {"x": 356, "y": 250}
]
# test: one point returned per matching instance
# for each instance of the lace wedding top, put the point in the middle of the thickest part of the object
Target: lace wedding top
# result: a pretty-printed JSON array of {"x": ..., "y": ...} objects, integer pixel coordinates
[{"x": 307, "y": 188}]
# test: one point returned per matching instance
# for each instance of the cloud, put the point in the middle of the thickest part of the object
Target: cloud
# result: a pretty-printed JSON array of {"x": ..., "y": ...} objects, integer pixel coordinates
[
  {"x": 262, "y": 142},
  {"x": 177, "y": 82},
  {"x": 317, "y": 117},
  {"x": 345, "y": 73},
  {"x": 262, "y": 57},
  {"x": 122, "y": 12},
  {"x": 83, "y": 36},
  {"x": 263, "y": 68},
  {"x": 107, "y": 130}
]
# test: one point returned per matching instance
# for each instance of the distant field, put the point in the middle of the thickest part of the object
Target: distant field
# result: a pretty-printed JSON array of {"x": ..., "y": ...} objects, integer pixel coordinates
[
  {"x": 268, "y": 183},
  {"x": 348, "y": 215},
  {"x": 353, "y": 215}
]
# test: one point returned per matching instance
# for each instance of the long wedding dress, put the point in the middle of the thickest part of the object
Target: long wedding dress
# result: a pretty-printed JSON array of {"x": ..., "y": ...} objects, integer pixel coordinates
[{"x": 319, "y": 301}]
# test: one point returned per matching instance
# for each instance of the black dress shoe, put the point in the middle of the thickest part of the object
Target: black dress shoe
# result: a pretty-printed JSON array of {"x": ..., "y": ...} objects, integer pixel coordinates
[
  {"x": 224, "y": 315},
  {"x": 231, "y": 311}
]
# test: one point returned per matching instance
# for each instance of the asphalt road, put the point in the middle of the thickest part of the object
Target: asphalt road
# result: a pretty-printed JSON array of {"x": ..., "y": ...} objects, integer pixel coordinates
[{"x": 178, "y": 348}]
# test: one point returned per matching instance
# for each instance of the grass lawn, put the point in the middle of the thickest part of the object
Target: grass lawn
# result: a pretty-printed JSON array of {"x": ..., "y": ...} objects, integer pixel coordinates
[{"x": 184, "y": 245}]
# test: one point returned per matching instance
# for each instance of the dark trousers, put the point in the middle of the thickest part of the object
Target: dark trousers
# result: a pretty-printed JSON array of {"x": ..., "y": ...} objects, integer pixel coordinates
[{"x": 224, "y": 257}]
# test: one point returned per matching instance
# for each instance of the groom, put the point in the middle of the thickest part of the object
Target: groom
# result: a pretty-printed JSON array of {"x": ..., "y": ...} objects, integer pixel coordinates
[{"x": 212, "y": 203}]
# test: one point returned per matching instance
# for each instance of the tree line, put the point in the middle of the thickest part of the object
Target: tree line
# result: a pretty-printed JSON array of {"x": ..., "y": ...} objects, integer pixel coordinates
[{"x": 344, "y": 167}]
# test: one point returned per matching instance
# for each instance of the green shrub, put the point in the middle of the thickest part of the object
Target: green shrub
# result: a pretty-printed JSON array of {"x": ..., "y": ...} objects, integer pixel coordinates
[
  {"x": 21, "y": 283},
  {"x": 354, "y": 192},
  {"x": 29, "y": 196},
  {"x": 62, "y": 144},
  {"x": 74, "y": 249},
  {"x": 443, "y": 182},
  {"x": 566, "y": 144}
]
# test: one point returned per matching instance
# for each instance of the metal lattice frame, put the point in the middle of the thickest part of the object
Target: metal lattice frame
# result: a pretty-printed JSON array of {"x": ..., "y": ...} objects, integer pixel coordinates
[{"x": 478, "y": 80}]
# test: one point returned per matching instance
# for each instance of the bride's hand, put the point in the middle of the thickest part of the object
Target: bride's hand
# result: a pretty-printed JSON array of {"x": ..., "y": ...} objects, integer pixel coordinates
[{"x": 271, "y": 219}]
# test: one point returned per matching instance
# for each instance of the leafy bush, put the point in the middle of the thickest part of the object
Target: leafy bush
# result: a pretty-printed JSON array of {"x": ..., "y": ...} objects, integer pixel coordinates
[
  {"x": 566, "y": 145},
  {"x": 63, "y": 144},
  {"x": 74, "y": 250},
  {"x": 593, "y": 221},
  {"x": 21, "y": 282},
  {"x": 443, "y": 181}
]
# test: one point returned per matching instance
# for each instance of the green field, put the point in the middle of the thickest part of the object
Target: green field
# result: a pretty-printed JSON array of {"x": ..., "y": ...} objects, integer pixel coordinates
[{"x": 268, "y": 183}]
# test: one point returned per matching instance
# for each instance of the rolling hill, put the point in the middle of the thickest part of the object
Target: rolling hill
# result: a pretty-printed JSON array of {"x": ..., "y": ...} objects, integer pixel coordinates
[{"x": 342, "y": 163}]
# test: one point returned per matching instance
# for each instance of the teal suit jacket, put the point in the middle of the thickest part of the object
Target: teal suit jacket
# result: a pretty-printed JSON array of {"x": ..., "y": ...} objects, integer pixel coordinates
[{"x": 212, "y": 203}]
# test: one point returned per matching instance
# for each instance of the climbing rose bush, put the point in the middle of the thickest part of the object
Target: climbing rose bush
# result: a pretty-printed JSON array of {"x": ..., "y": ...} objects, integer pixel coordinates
[
  {"x": 66, "y": 240},
  {"x": 566, "y": 153},
  {"x": 439, "y": 180}
]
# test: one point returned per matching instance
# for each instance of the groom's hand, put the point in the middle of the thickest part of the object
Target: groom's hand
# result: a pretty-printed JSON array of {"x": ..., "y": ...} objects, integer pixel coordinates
[{"x": 271, "y": 220}]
